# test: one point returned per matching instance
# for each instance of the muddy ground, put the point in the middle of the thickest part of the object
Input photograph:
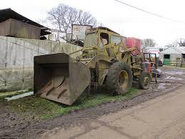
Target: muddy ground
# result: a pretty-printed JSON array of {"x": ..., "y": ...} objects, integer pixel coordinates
[{"x": 14, "y": 125}]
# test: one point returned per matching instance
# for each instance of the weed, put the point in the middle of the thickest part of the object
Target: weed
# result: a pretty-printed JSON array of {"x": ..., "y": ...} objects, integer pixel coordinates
[{"x": 13, "y": 93}]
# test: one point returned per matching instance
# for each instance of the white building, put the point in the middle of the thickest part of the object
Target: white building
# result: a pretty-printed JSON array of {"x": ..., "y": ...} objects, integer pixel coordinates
[
  {"x": 56, "y": 35},
  {"x": 155, "y": 50},
  {"x": 173, "y": 55}
]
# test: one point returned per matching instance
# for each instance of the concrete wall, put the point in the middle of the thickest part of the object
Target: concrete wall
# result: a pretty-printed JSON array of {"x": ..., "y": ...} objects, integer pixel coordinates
[{"x": 16, "y": 60}]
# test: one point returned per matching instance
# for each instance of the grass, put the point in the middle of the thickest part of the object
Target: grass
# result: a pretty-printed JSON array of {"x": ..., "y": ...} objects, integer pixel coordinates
[
  {"x": 45, "y": 109},
  {"x": 34, "y": 106},
  {"x": 13, "y": 93},
  {"x": 170, "y": 66}
]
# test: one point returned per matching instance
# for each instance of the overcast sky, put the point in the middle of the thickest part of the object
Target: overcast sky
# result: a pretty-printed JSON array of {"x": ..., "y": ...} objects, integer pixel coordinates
[{"x": 123, "y": 19}]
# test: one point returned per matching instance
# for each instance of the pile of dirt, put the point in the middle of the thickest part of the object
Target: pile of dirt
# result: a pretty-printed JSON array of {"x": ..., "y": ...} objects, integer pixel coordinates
[{"x": 18, "y": 126}]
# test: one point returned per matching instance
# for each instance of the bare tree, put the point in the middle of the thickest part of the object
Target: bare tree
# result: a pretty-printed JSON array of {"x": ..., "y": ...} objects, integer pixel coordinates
[
  {"x": 170, "y": 45},
  {"x": 64, "y": 16},
  {"x": 181, "y": 42},
  {"x": 148, "y": 43}
]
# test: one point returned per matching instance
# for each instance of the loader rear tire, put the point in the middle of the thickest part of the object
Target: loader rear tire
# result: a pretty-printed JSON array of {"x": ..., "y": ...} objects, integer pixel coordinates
[
  {"x": 144, "y": 80},
  {"x": 119, "y": 78}
]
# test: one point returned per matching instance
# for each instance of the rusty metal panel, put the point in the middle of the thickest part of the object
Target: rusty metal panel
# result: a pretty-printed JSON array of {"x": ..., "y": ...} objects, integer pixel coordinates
[
  {"x": 5, "y": 28},
  {"x": 15, "y": 28}
]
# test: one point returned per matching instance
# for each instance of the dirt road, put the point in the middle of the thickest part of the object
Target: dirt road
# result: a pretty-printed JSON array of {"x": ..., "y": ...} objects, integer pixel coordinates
[
  {"x": 98, "y": 120},
  {"x": 159, "y": 118}
]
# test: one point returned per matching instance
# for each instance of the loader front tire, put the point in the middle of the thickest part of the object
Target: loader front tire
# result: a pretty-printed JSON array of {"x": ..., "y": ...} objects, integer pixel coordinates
[{"x": 119, "y": 78}]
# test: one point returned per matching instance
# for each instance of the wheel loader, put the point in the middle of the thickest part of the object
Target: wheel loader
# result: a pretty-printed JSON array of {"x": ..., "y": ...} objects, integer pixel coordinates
[{"x": 104, "y": 60}]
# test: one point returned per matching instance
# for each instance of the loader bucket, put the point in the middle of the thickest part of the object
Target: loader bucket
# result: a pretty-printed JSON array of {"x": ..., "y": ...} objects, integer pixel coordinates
[{"x": 60, "y": 78}]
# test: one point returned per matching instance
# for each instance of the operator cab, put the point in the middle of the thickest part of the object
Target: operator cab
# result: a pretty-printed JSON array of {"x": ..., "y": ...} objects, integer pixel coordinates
[{"x": 104, "y": 41}]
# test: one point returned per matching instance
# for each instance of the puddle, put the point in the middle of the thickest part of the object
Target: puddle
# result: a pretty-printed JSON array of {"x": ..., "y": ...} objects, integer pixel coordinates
[
  {"x": 19, "y": 96},
  {"x": 162, "y": 86},
  {"x": 174, "y": 72},
  {"x": 173, "y": 78}
]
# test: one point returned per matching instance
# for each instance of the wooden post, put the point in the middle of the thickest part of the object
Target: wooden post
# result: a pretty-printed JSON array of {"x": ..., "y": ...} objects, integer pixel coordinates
[{"x": 156, "y": 78}]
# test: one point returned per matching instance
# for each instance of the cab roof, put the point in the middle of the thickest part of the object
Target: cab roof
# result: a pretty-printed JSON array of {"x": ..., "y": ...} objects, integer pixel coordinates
[{"x": 103, "y": 28}]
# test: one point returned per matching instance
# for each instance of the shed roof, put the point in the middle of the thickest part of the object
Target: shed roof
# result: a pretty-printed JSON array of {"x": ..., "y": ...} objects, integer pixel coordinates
[
  {"x": 174, "y": 50},
  {"x": 6, "y": 14}
]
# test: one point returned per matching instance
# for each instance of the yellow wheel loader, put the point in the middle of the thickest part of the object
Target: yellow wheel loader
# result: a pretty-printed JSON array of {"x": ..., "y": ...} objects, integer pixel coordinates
[{"x": 104, "y": 59}]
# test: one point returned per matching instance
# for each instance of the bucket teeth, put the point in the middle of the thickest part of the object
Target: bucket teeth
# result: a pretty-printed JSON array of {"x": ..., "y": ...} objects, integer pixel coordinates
[
  {"x": 46, "y": 88},
  {"x": 50, "y": 90}
]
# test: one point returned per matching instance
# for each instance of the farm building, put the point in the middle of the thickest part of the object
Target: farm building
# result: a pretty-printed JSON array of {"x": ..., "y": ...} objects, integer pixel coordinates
[
  {"x": 13, "y": 24},
  {"x": 155, "y": 50},
  {"x": 173, "y": 56}
]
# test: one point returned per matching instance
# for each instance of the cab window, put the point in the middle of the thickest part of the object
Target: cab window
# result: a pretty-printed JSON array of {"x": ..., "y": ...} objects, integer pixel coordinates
[
  {"x": 104, "y": 39},
  {"x": 115, "y": 39},
  {"x": 91, "y": 40}
]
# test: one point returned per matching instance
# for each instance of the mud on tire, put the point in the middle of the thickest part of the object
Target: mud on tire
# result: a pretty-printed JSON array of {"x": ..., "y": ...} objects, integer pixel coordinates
[
  {"x": 144, "y": 80},
  {"x": 119, "y": 78}
]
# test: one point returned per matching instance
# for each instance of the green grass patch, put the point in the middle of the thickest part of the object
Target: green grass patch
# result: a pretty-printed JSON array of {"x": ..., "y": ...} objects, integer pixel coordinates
[
  {"x": 45, "y": 109},
  {"x": 13, "y": 93},
  {"x": 34, "y": 106},
  {"x": 173, "y": 67}
]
